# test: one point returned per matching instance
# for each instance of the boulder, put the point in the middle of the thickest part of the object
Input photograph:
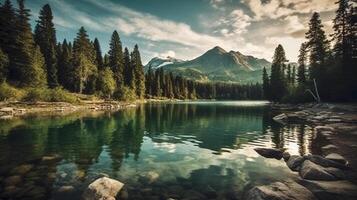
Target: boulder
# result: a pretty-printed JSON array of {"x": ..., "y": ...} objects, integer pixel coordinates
[
  {"x": 294, "y": 162},
  {"x": 280, "y": 191},
  {"x": 312, "y": 171},
  {"x": 329, "y": 147},
  {"x": 319, "y": 160},
  {"x": 337, "y": 158},
  {"x": 270, "y": 153},
  {"x": 331, "y": 190},
  {"x": 286, "y": 156},
  {"x": 102, "y": 189}
]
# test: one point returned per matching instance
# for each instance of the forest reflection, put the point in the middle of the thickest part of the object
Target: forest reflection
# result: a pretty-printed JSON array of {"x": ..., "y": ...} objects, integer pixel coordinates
[{"x": 80, "y": 138}]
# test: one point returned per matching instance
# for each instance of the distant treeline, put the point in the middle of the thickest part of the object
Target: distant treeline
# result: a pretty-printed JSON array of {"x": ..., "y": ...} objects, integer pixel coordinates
[
  {"x": 333, "y": 69},
  {"x": 37, "y": 60},
  {"x": 163, "y": 84}
]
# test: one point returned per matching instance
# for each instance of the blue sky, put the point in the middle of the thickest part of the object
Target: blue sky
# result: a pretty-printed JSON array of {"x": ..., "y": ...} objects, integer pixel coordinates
[{"x": 187, "y": 28}]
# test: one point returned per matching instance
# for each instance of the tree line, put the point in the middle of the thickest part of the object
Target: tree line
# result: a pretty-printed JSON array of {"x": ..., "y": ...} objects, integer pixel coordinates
[
  {"x": 165, "y": 84},
  {"x": 326, "y": 69},
  {"x": 37, "y": 60}
]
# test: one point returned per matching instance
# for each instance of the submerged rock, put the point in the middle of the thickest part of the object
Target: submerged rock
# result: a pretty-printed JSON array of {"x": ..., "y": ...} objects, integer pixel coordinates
[
  {"x": 102, "y": 189},
  {"x": 270, "y": 153},
  {"x": 337, "y": 158},
  {"x": 319, "y": 160},
  {"x": 22, "y": 169},
  {"x": 65, "y": 189},
  {"x": 294, "y": 162},
  {"x": 149, "y": 177},
  {"x": 13, "y": 180},
  {"x": 312, "y": 171},
  {"x": 324, "y": 128},
  {"x": 286, "y": 156},
  {"x": 51, "y": 158},
  {"x": 281, "y": 118},
  {"x": 332, "y": 190},
  {"x": 280, "y": 191}
]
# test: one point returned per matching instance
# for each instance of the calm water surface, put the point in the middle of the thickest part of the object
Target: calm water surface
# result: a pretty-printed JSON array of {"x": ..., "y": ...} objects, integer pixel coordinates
[{"x": 184, "y": 149}]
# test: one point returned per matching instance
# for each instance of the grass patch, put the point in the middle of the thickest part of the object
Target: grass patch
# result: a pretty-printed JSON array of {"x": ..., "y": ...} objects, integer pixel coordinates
[{"x": 10, "y": 93}]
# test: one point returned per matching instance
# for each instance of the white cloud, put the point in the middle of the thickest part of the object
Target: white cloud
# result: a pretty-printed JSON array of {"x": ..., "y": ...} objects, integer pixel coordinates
[
  {"x": 168, "y": 53},
  {"x": 278, "y": 8}
]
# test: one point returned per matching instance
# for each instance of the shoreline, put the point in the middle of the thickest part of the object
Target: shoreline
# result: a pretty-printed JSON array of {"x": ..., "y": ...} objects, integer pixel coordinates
[
  {"x": 9, "y": 110},
  {"x": 329, "y": 173}
]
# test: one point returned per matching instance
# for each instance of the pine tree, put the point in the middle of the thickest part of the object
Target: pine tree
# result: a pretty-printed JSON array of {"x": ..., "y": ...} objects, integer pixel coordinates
[
  {"x": 317, "y": 46},
  {"x": 45, "y": 37},
  {"x": 84, "y": 66},
  {"x": 266, "y": 84},
  {"x": 8, "y": 33},
  {"x": 106, "y": 82},
  {"x": 128, "y": 69},
  {"x": 293, "y": 76},
  {"x": 116, "y": 61},
  {"x": 4, "y": 64},
  {"x": 37, "y": 73},
  {"x": 342, "y": 31},
  {"x": 24, "y": 66},
  {"x": 138, "y": 72},
  {"x": 301, "y": 75},
  {"x": 277, "y": 83},
  {"x": 148, "y": 82},
  {"x": 65, "y": 67},
  {"x": 98, "y": 54}
]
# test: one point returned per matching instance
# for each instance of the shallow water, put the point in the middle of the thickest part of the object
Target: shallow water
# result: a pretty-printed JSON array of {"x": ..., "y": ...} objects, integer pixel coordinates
[{"x": 185, "y": 149}]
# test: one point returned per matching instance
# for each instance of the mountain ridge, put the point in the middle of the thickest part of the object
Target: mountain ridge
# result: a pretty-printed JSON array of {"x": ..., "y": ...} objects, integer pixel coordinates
[{"x": 216, "y": 64}]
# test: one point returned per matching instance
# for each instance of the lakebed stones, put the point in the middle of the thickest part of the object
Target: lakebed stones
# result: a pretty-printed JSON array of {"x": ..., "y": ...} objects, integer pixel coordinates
[
  {"x": 294, "y": 162},
  {"x": 22, "y": 169},
  {"x": 337, "y": 158},
  {"x": 149, "y": 177},
  {"x": 312, "y": 171},
  {"x": 280, "y": 191},
  {"x": 102, "y": 189},
  {"x": 270, "y": 153},
  {"x": 331, "y": 190}
]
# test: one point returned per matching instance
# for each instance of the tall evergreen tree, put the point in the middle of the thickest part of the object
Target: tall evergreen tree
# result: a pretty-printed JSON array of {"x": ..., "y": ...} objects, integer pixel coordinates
[
  {"x": 4, "y": 64},
  {"x": 65, "y": 67},
  {"x": 138, "y": 72},
  {"x": 98, "y": 54},
  {"x": 128, "y": 70},
  {"x": 342, "y": 31},
  {"x": 24, "y": 67},
  {"x": 116, "y": 60},
  {"x": 45, "y": 37},
  {"x": 318, "y": 47},
  {"x": 301, "y": 75},
  {"x": 8, "y": 33},
  {"x": 277, "y": 83},
  {"x": 266, "y": 84},
  {"x": 83, "y": 63}
]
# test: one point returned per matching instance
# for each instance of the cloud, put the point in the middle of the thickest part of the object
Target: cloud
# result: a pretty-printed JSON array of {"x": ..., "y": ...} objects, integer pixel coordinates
[
  {"x": 168, "y": 53},
  {"x": 274, "y": 9}
]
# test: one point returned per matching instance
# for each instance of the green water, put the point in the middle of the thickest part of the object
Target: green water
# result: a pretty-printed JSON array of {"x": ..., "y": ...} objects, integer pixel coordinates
[{"x": 191, "y": 149}]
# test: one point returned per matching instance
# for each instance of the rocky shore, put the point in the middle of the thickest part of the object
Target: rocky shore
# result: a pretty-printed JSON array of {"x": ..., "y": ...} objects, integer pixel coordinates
[
  {"x": 329, "y": 175},
  {"x": 9, "y": 110}
]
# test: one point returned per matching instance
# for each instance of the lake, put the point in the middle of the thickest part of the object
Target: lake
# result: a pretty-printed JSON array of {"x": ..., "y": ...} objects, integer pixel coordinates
[{"x": 197, "y": 150}]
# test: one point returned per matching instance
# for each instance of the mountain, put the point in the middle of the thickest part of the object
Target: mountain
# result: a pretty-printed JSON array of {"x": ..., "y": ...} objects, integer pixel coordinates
[
  {"x": 216, "y": 65},
  {"x": 157, "y": 62}
]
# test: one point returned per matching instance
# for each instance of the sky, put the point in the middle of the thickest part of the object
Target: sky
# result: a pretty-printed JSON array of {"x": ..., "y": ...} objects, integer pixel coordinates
[{"x": 186, "y": 29}]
